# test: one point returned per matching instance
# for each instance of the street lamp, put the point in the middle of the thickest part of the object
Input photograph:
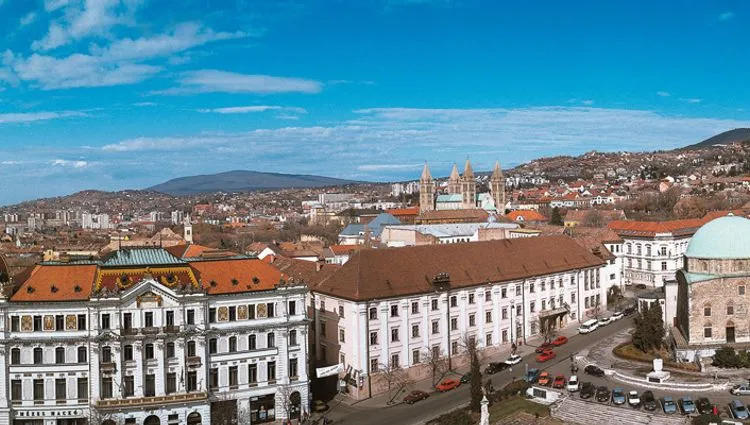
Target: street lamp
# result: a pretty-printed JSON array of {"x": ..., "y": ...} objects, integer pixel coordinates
[{"x": 512, "y": 325}]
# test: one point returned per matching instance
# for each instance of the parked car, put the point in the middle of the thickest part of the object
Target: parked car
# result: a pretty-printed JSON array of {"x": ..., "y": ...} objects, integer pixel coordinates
[
  {"x": 687, "y": 405},
  {"x": 704, "y": 405},
  {"x": 629, "y": 311},
  {"x": 447, "y": 385},
  {"x": 495, "y": 367},
  {"x": 560, "y": 340},
  {"x": 559, "y": 382},
  {"x": 739, "y": 411},
  {"x": 741, "y": 389},
  {"x": 319, "y": 406},
  {"x": 594, "y": 371},
  {"x": 573, "y": 385},
  {"x": 604, "y": 321},
  {"x": 618, "y": 396},
  {"x": 634, "y": 400},
  {"x": 587, "y": 390},
  {"x": 543, "y": 346},
  {"x": 668, "y": 405},
  {"x": 649, "y": 401},
  {"x": 546, "y": 355},
  {"x": 617, "y": 315},
  {"x": 466, "y": 377},
  {"x": 532, "y": 375},
  {"x": 415, "y": 396},
  {"x": 602, "y": 394},
  {"x": 544, "y": 379},
  {"x": 514, "y": 359},
  {"x": 641, "y": 286}
]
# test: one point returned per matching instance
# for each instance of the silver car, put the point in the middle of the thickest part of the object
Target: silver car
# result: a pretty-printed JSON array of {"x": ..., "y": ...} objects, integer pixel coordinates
[{"x": 742, "y": 389}]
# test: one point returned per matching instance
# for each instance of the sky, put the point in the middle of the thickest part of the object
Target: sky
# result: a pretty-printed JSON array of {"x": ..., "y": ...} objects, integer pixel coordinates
[{"x": 125, "y": 94}]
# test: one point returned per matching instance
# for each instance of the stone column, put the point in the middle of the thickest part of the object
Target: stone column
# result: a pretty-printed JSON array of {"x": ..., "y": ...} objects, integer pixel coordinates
[
  {"x": 161, "y": 376},
  {"x": 138, "y": 379}
]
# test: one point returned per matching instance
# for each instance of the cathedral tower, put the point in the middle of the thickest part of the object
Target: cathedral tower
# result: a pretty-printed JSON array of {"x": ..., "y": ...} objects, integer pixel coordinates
[
  {"x": 454, "y": 181},
  {"x": 468, "y": 188},
  {"x": 426, "y": 191},
  {"x": 497, "y": 188}
]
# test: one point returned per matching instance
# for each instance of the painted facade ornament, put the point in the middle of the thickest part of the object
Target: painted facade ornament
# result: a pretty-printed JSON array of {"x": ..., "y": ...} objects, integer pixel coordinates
[
  {"x": 242, "y": 312},
  {"x": 71, "y": 323},
  {"x": 49, "y": 323},
  {"x": 261, "y": 311},
  {"x": 223, "y": 314},
  {"x": 27, "y": 323}
]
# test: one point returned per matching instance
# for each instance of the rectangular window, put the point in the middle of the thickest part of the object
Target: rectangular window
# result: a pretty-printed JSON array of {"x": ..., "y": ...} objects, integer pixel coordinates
[
  {"x": 435, "y": 327},
  {"x": 38, "y": 356},
  {"x": 488, "y": 317},
  {"x": 106, "y": 388},
  {"x": 373, "y": 365},
  {"x": 518, "y": 290},
  {"x": 271, "y": 371},
  {"x": 454, "y": 301},
  {"x": 270, "y": 307},
  {"x": 531, "y": 288},
  {"x": 127, "y": 353},
  {"x": 252, "y": 373},
  {"x": 505, "y": 313},
  {"x": 323, "y": 329},
  {"x": 373, "y": 338},
  {"x": 105, "y": 321},
  {"x": 190, "y": 317},
  {"x": 741, "y": 289},
  {"x": 454, "y": 323},
  {"x": 471, "y": 298},
  {"x": 128, "y": 386},
  {"x": 149, "y": 389},
  {"x": 170, "y": 318},
  {"x": 342, "y": 335},
  {"x": 415, "y": 331},
  {"x": 232, "y": 313},
  {"x": 488, "y": 340},
  {"x": 454, "y": 347},
  {"x": 212, "y": 315},
  {"x": 127, "y": 321},
  {"x": 293, "y": 368},
  {"x": 503, "y": 292},
  {"x": 15, "y": 356},
  {"x": 16, "y": 390},
  {"x": 472, "y": 320},
  {"x": 487, "y": 295},
  {"x": 572, "y": 297},
  {"x": 60, "y": 355},
  {"x": 415, "y": 357},
  {"x": 544, "y": 305},
  {"x": 505, "y": 335},
  {"x": 730, "y": 310},
  {"x": 59, "y": 322},
  {"x": 233, "y": 377},
  {"x": 81, "y": 322},
  {"x": 192, "y": 381},
  {"x": 15, "y": 324},
  {"x": 213, "y": 346},
  {"x": 707, "y": 332},
  {"x": 149, "y": 351},
  {"x": 707, "y": 311},
  {"x": 213, "y": 378},
  {"x": 37, "y": 323},
  {"x": 394, "y": 311},
  {"x": 61, "y": 390},
  {"x": 663, "y": 265},
  {"x": 341, "y": 311},
  {"x": 532, "y": 306},
  {"x": 395, "y": 361},
  {"x": 414, "y": 307},
  {"x": 251, "y": 342},
  {"x": 39, "y": 391},
  {"x": 148, "y": 319},
  {"x": 394, "y": 335},
  {"x": 170, "y": 350},
  {"x": 434, "y": 304},
  {"x": 83, "y": 389},
  {"x": 292, "y": 308},
  {"x": 373, "y": 313}
]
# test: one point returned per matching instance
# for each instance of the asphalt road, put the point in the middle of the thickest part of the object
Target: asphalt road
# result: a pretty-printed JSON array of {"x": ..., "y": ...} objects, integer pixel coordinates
[{"x": 439, "y": 403}]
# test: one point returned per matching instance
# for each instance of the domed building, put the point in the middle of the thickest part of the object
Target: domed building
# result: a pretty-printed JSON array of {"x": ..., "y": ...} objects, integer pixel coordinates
[{"x": 712, "y": 296}]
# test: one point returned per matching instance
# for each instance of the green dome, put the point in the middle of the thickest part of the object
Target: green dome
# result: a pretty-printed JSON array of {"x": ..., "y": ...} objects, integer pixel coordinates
[{"x": 726, "y": 237}]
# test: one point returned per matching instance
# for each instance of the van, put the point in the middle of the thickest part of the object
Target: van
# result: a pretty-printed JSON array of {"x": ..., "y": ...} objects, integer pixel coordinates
[{"x": 588, "y": 326}]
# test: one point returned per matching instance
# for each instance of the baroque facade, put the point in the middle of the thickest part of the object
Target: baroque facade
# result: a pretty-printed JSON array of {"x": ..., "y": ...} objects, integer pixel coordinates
[{"x": 151, "y": 337}]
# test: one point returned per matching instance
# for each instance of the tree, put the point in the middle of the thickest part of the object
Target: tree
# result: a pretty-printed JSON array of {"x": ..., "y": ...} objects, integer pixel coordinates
[
  {"x": 593, "y": 218},
  {"x": 649, "y": 328},
  {"x": 438, "y": 363},
  {"x": 395, "y": 378},
  {"x": 615, "y": 297},
  {"x": 546, "y": 330},
  {"x": 472, "y": 350},
  {"x": 556, "y": 219}
]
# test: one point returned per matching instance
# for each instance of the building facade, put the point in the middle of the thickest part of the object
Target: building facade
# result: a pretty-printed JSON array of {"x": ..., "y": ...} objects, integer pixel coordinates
[
  {"x": 146, "y": 337},
  {"x": 461, "y": 191},
  {"x": 392, "y": 307}
]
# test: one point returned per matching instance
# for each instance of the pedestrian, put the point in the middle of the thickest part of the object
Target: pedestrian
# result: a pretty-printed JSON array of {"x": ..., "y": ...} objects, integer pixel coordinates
[{"x": 715, "y": 411}]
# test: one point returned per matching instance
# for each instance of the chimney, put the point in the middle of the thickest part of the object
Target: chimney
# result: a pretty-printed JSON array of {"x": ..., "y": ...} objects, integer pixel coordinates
[{"x": 319, "y": 264}]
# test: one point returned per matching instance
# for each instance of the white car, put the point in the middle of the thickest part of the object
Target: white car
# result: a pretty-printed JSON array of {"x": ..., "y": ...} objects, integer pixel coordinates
[
  {"x": 603, "y": 321},
  {"x": 617, "y": 315},
  {"x": 634, "y": 399},
  {"x": 573, "y": 384},
  {"x": 514, "y": 359}
]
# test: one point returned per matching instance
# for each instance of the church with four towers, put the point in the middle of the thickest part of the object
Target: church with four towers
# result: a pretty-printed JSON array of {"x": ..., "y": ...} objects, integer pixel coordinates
[{"x": 461, "y": 191}]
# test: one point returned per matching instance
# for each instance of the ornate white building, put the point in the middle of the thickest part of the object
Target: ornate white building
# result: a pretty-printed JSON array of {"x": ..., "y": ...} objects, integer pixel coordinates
[{"x": 150, "y": 336}]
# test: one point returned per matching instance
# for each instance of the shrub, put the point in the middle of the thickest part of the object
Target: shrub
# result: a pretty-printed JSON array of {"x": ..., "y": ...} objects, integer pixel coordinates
[{"x": 726, "y": 357}]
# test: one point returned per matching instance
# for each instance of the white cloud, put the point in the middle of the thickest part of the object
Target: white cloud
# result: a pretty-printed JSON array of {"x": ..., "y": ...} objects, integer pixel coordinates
[
  {"x": 691, "y": 100},
  {"x": 52, "y": 5},
  {"x": 28, "y": 18},
  {"x": 255, "y": 108},
  {"x": 587, "y": 102},
  {"x": 211, "y": 80},
  {"x": 27, "y": 117},
  {"x": 142, "y": 104},
  {"x": 68, "y": 163},
  {"x": 726, "y": 16},
  {"x": 663, "y": 94}
]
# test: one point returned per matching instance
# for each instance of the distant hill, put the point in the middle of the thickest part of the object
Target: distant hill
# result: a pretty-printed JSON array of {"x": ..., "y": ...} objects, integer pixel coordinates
[
  {"x": 243, "y": 181},
  {"x": 731, "y": 136}
]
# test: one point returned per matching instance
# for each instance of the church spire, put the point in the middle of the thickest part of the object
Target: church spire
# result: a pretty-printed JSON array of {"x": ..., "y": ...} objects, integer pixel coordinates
[
  {"x": 468, "y": 172},
  {"x": 426, "y": 176},
  {"x": 454, "y": 173},
  {"x": 497, "y": 172}
]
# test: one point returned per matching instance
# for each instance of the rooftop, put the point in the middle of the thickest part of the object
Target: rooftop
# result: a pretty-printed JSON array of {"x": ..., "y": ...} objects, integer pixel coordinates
[
  {"x": 141, "y": 257},
  {"x": 722, "y": 238}
]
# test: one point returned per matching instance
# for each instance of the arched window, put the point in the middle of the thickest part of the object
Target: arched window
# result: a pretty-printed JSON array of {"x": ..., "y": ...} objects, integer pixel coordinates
[
  {"x": 707, "y": 310},
  {"x": 251, "y": 342},
  {"x": 232, "y": 344},
  {"x": 730, "y": 308},
  {"x": 15, "y": 356},
  {"x": 271, "y": 340},
  {"x": 59, "y": 355},
  {"x": 629, "y": 248},
  {"x": 82, "y": 354},
  {"x": 38, "y": 355}
]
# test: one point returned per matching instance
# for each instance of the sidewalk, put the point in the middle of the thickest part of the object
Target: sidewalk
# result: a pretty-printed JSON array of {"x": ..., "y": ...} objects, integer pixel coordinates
[{"x": 380, "y": 401}]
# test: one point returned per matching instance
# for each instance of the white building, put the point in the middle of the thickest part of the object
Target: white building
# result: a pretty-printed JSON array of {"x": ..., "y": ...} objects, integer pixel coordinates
[
  {"x": 145, "y": 337},
  {"x": 422, "y": 234},
  {"x": 95, "y": 221},
  {"x": 392, "y": 306}
]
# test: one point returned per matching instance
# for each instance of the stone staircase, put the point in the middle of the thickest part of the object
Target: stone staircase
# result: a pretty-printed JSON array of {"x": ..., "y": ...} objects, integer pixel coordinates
[{"x": 577, "y": 411}]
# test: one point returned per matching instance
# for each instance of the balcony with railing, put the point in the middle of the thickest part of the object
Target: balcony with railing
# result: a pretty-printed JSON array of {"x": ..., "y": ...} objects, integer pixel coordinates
[
  {"x": 193, "y": 361},
  {"x": 151, "y": 401},
  {"x": 108, "y": 367}
]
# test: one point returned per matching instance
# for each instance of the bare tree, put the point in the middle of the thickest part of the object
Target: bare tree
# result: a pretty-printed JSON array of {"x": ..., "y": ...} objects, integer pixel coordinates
[
  {"x": 469, "y": 343},
  {"x": 437, "y": 362},
  {"x": 396, "y": 379},
  {"x": 98, "y": 417},
  {"x": 593, "y": 218},
  {"x": 546, "y": 330},
  {"x": 596, "y": 310}
]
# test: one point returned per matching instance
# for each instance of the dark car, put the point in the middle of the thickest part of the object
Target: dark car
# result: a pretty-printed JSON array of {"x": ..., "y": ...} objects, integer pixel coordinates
[
  {"x": 629, "y": 311},
  {"x": 415, "y": 396},
  {"x": 587, "y": 390},
  {"x": 594, "y": 371},
  {"x": 649, "y": 401},
  {"x": 704, "y": 405},
  {"x": 618, "y": 396},
  {"x": 602, "y": 394},
  {"x": 532, "y": 375},
  {"x": 466, "y": 378},
  {"x": 495, "y": 367},
  {"x": 641, "y": 286}
]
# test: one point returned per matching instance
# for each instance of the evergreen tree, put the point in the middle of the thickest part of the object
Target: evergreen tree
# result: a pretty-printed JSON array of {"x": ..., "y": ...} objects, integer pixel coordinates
[
  {"x": 649, "y": 328},
  {"x": 556, "y": 219}
]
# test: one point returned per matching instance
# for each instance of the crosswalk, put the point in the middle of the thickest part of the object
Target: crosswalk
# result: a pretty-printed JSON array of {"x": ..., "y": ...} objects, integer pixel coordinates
[{"x": 576, "y": 411}]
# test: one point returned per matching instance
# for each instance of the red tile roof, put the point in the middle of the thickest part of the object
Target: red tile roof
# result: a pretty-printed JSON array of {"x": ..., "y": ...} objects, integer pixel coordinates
[
  {"x": 64, "y": 282},
  {"x": 399, "y": 212},
  {"x": 396, "y": 272},
  {"x": 525, "y": 215},
  {"x": 343, "y": 249},
  {"x": 651, "y": 228},
  {"x": 229, "y": 276}
]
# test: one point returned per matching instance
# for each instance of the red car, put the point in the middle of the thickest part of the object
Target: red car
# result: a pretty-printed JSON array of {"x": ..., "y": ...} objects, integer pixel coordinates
[
  {"x": 544, "y": 379},
  {"x": 559, "y": 382},
  {"x": 543, "y": 346},
  {"x": 546, "y": 355},
  {"x": 560, "y": 340},
  {"x": 447, "y": 385}
]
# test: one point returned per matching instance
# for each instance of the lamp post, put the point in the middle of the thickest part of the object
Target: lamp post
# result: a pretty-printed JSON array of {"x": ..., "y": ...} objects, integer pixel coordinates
[{"x": 512, "y": 325}]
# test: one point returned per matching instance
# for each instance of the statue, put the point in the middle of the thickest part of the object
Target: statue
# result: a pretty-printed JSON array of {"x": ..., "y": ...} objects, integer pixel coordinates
[{"x": 485, "y": 418}]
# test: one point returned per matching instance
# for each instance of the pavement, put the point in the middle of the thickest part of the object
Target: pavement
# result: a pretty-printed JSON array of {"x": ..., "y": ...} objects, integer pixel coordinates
[{"x": 376, "y": 411}]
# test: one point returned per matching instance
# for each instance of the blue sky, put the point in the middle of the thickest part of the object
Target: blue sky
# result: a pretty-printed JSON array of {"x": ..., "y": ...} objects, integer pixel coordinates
[{"x": 114, "y": 94}]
